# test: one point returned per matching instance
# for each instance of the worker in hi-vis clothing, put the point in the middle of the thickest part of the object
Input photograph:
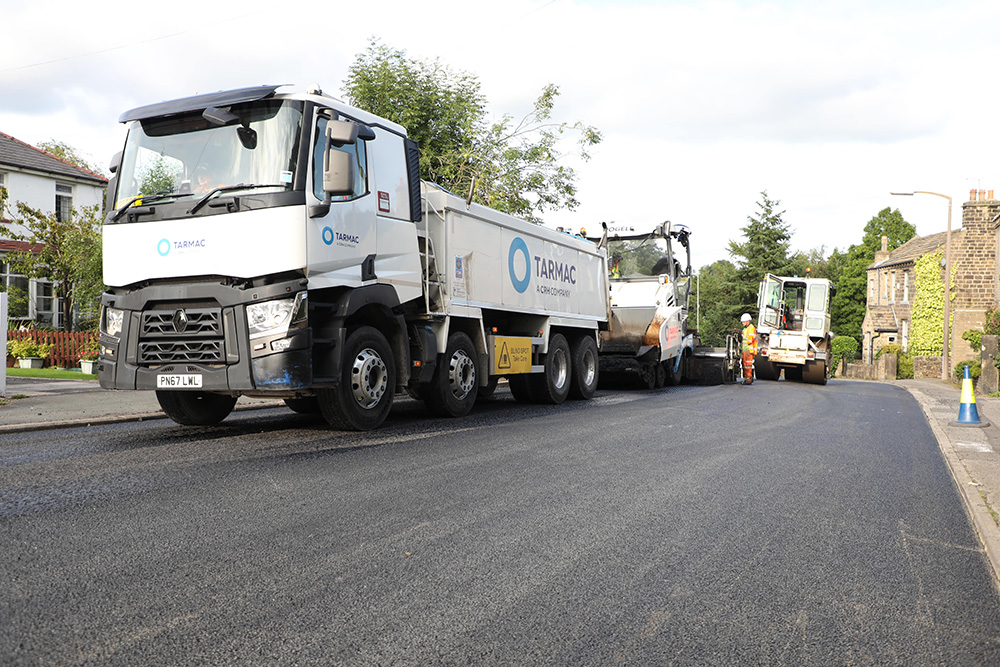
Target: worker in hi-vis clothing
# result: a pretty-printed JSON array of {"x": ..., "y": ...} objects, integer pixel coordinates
[{"x": 749, "y": 347}]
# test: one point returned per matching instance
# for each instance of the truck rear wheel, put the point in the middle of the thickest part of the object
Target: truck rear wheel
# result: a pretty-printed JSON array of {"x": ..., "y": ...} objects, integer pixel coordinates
[
  {"x": 195, "y": 408},
  {"x": 363, "y": 398},
  {"x": 520, "y": 388},
  {"x": 552, "y": 384},
  {"x": 585, "y": 368},
  {"x": 452, "y": 392},
  {"x": 793, "y": 374},
  {"x": 814, "y": 372},
  {"x": 764, "y": 369}
]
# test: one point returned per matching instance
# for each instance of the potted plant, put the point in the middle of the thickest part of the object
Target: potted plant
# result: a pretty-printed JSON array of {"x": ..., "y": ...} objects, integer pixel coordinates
[
  {"x": 88, "y": 357},
  {"x": 28, "y": 352}
]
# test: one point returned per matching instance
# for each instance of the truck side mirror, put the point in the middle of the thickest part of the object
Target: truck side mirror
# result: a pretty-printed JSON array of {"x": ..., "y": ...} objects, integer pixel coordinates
[
  {"x": 340, "y": 132},
  {"x": 338, "y": 174}
]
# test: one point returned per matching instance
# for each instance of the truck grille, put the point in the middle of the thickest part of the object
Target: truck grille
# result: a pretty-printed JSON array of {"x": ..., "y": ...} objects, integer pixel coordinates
[
  {"x": 182, "y": 335},
  {"x": 193, "y": 322}
]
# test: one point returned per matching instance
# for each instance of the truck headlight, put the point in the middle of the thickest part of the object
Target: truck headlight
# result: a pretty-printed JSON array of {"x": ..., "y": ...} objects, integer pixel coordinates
[
  {"x": 112, "y": 320},
  {"x": 272, "y": 318}
]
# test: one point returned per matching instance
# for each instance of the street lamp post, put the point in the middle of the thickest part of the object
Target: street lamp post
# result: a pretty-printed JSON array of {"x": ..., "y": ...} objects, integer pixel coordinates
[{"x": 945, "y": 366}]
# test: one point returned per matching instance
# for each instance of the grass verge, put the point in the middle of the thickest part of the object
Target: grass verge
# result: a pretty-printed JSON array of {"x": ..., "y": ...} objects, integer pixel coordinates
[{"x": 49, "y": 374}]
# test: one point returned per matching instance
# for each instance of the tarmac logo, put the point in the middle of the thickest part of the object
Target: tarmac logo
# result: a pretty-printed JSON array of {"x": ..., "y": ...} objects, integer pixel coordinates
[{"x": 519, "y": 247}]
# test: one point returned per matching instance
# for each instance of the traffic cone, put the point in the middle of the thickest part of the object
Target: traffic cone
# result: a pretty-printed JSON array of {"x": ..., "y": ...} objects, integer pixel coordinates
[{"x": 968, "y": 415}]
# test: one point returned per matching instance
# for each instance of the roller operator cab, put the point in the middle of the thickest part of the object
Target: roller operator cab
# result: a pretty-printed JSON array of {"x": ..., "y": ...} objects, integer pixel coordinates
[
  {"x": 276, "y": 244},
  {"x": 793, "y": 326},
  {"x": 650, "y": 286}
]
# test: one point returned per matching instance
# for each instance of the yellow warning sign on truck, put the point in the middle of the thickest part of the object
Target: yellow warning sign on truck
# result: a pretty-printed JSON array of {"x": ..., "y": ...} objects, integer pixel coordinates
[{"x": 511, "y": 354}]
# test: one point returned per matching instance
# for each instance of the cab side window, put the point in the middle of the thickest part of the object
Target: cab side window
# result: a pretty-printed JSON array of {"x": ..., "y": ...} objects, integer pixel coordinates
[{"x": 359, "y": 158}]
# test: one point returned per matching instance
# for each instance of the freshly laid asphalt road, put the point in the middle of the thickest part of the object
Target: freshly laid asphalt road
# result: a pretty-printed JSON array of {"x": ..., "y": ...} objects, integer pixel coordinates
[{"x": 773, "y": 524}]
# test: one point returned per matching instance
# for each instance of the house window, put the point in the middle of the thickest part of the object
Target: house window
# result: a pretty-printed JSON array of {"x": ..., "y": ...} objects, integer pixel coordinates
[
  {"x": 64, "y": 201},
  {"x": 892, "y": 292},
  {"x": 44, "y": 302},
  {"x": 16, "y": 287},
  {"x": 906, "y": 287}
]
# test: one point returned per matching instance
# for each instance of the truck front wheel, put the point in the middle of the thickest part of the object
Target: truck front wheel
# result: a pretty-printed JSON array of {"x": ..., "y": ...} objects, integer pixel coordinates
[
  {"x": 552, "y": 385},
  {"x": 195, "y": 408},
  {"x": 452, "y": 392},
  {"x": 363, "y": 398}
]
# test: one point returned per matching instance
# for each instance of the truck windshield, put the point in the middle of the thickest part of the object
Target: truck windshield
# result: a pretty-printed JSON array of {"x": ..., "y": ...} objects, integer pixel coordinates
[
  {"x": 187, "y": 155},
  {"x": 638, "y": 258}
]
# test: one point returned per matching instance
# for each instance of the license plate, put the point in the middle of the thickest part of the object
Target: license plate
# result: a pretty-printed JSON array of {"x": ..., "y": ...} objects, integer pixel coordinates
[{"x": 190, "y": 381}]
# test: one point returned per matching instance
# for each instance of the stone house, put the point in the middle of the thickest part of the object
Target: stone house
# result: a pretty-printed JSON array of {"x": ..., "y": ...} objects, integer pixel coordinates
[
  {"x": 51, "y": 185},
  {"x": 891, "y": 282}
]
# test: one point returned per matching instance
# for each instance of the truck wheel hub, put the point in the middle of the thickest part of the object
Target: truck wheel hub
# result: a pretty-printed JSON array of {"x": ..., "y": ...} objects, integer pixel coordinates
[
  {"x": 461, "y": 374},
  {"x": 369, "y": 378}
]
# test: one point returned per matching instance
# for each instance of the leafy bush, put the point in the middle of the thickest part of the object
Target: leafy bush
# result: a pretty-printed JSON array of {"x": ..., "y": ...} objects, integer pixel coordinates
[
  {"x": 26, "y": 347},
  {"x": 904, "y": 361},
  {"x": 975, "y": 369},
  {"x": 992, "y": 325},
  {"x": 975, "y": 338},
  {"x": 842, "y": 346}
]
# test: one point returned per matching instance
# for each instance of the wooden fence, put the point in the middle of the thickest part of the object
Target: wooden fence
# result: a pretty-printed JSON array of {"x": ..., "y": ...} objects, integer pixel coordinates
[{"x": 67, "y": 345}]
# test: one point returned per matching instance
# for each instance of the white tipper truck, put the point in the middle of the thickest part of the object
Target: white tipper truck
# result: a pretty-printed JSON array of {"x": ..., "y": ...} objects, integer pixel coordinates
[{"x": 281, "y": 244}]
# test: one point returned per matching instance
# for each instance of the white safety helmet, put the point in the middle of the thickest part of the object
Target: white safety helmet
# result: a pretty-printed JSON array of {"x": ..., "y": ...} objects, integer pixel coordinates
[{"x": 746, "y": 317}]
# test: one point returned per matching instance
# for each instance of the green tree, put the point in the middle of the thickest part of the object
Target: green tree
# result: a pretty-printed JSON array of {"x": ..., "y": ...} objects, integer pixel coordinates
[
  {"x": 513, "y": 166},
  {"x": 848, "y": 306},
  {"x": 764, "y": 250},
  {"x": 718, "y": 300},
  {"x": 67, "y": 252},
  {"x": 67, "y": 153},
  {"x": 157, "y": 176}
]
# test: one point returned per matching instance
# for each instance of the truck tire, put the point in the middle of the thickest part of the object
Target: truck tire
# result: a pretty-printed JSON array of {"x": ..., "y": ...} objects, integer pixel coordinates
[
  {"x": 195, "y": 408},
  {"x": 673, "y": 378},
  {"x": 764, "y": 369},
  {"x": 815, "y": 372},
  {"x": 552, "y": 384},
  {"x": 307, "y": 405},
  {"x": 660, "y": 375},
  {"x": 485, "y": 392},
  {"x": 793, "y": 374},
  {"x": 364, "y": 396},
  {"x": 585, "y": 369},
  {"x": 453, "y": 390},
  {"x": 520, "y": 388}
]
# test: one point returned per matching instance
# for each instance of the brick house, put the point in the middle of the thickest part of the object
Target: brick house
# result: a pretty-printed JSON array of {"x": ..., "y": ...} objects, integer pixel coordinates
[
  {"x": 49, "y": 184},
  {"x": 891, "y": 281}
]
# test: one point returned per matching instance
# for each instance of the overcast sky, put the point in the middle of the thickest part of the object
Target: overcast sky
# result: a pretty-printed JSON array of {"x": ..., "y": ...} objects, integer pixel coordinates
[{"x": 827, "y": 106}]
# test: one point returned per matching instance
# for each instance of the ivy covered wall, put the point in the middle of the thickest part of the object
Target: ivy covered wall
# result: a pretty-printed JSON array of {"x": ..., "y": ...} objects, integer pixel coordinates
[{"x": 927, "y": 315}]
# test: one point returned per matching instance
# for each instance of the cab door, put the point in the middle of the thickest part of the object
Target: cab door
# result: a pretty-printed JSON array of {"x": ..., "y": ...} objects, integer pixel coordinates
[
  {"x": 342, "y": 242},
  {"x": 769, "y": 303}
]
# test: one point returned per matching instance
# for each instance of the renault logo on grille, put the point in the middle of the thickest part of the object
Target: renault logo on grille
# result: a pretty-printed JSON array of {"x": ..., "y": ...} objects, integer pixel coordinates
[{"x": 180, "y": 321}]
